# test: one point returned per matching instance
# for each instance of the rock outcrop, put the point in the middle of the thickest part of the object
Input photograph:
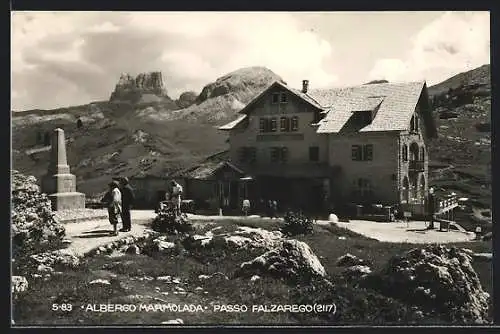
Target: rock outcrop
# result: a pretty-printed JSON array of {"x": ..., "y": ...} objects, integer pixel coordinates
[
  {"x": 245, "y": 82},
  {"x": 243, "y": 238},
  {"x": 440, "y": 280},
  {"x": 349, "y": 260},
  {"x": 292, "y": 259},
  {"x": 145, "y": 88},
  {"x": 186, "y": 99}
]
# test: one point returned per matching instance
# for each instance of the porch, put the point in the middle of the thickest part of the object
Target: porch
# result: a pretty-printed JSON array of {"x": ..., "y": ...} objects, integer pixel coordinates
[{"x": 216, "y": 185}]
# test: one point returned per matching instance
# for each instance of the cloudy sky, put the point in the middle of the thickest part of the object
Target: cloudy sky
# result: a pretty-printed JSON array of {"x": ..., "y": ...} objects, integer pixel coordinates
[{"x": 70, "y": 58}]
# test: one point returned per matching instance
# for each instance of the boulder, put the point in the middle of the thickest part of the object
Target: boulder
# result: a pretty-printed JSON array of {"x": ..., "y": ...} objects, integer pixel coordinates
[
  {"x": 356, "y": 272},
  {"x": 332, "y": 218},
  {"x": 292, "y": 259},
  {"x": 243, "y": 238},
  {"x": 349, "y": 260},
  {"x": 60, "y": 258},
  {"x": 438, "y": 279}
]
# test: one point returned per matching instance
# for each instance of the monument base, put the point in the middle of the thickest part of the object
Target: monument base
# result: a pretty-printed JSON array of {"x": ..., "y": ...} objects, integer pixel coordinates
[
  {"x": 59, "y": 183},
  {"x": 67, "y": 201}
]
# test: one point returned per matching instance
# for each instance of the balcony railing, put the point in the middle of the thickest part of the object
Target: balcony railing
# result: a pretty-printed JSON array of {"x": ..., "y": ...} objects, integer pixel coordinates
[{"x": 416, "y": 166}]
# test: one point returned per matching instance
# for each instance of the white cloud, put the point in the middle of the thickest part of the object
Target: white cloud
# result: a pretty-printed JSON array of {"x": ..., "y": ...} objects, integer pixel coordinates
[
  {"x": 453, "y": 43},
  {"x": 79, "y": 56}
]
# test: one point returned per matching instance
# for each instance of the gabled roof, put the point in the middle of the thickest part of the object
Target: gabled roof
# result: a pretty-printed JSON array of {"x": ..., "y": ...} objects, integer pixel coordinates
[
  {"x": 233, "y": 124},
  {"x": 206, "y": 170},
  {"x": 394, "y": 103}
]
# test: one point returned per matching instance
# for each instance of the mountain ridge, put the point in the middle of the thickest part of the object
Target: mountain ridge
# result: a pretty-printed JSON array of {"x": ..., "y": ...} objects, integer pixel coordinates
[{"x": 177, "y": 137}]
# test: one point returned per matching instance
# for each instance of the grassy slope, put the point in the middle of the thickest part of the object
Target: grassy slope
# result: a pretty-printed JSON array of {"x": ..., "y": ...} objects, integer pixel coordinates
[
  {"x": 460, "y": 143},
  {"x": 70, "y": 287},
  {"x": 177, "y": 138},
  {"x": 185, "y": 136}
]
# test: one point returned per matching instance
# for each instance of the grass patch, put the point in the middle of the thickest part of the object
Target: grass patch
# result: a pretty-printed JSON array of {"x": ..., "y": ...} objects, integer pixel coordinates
[{"x": 131, "y": 283}]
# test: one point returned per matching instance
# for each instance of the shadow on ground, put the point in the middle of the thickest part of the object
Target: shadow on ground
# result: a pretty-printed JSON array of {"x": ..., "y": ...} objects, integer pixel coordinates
[{"x": 95, "y": 234}]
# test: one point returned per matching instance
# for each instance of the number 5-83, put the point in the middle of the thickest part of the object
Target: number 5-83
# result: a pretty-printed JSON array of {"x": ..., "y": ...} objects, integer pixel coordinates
[{"x": 62, "y": 307}]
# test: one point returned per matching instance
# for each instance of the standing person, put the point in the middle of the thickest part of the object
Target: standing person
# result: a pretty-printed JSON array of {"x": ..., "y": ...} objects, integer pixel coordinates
[
  {"x": 246, "y": 206},
  {"x": 274, "y": 209},
  {"x": 269, "y": 208},
  {"x": 431, "y": 207},
  {"x": 176, "y": 195},
  {"x": 113, "y": 200},
  {"x": 262, "y": 207},
  {"x": 127, "y": 202}
]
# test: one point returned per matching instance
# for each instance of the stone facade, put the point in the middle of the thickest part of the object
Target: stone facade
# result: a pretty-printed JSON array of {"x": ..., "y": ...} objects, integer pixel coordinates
[{"x": 59, "y": 183}]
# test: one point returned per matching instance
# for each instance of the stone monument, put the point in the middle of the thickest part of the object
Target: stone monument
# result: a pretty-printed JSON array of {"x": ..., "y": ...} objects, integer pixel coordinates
[{"x": 59, "y": 183}]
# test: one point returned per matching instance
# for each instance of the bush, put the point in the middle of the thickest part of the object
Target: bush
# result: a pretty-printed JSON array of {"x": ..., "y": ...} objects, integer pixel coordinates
[
  {"x": 297, "y": 223},
  {"x": 33, "y": 226},
  {"x": 168, "y": 221}
]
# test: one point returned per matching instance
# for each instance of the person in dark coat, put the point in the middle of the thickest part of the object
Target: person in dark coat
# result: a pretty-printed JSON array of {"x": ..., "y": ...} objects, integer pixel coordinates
[
  {"x": 127, "y": 202},
  {"x": 269, "y": 208}
]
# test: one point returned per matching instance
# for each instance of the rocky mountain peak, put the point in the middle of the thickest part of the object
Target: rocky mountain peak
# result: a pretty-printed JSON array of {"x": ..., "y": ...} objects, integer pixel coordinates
[
  {"x": 133, "y": 90},
  {"x": 243, "y": 82}
]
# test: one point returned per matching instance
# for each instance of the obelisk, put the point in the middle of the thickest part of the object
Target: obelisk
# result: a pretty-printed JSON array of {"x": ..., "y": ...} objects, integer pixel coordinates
[{"x": 59, "y": 183}]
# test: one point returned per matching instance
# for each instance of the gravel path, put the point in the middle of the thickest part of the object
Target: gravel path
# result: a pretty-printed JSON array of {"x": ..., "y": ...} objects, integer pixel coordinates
[
  {"x": 399, "y": 232},
  {"x": 88, "y": 235},
  {"x": 91, "y": 234},
  {"x": 77, "y": 215}
]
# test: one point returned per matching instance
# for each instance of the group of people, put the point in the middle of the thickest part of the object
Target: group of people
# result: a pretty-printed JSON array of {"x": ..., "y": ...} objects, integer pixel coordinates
[
  {"x": 268, "y": 208},
  {"x": 119, "y": 200},
  {"x": 173, "y": 196}
]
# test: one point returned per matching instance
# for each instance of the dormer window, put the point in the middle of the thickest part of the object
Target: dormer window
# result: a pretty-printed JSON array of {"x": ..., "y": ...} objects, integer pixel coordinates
[
  {"x": 363, "y": 117},
  {"x": 318, "y": 116}
]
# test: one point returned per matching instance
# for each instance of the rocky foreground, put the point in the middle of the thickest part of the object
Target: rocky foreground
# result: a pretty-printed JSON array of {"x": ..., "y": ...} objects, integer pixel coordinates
[{"x": 433, "y": 282}]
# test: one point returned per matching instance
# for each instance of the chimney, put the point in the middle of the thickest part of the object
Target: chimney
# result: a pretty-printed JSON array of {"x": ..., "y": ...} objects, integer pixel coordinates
[{"x": 305, "y": 85}]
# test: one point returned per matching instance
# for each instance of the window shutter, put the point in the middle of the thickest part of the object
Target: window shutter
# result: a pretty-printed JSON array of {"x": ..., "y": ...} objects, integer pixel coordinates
[
  {"x": 283, "y": 123},
  {"x": 274, "y": 154},
  {"x": 274, "y": 126},
  {"x": 284, "y": 154},
  {"x": 295, "y": 123},
  {"x": 368, "y": 152},
  {"x": 356, "y": 152},
  {"x": 284, "y": 98}
]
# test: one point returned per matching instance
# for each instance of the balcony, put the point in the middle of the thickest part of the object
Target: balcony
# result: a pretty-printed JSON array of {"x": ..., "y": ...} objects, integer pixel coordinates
[{"x": 416, "y": 166}]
